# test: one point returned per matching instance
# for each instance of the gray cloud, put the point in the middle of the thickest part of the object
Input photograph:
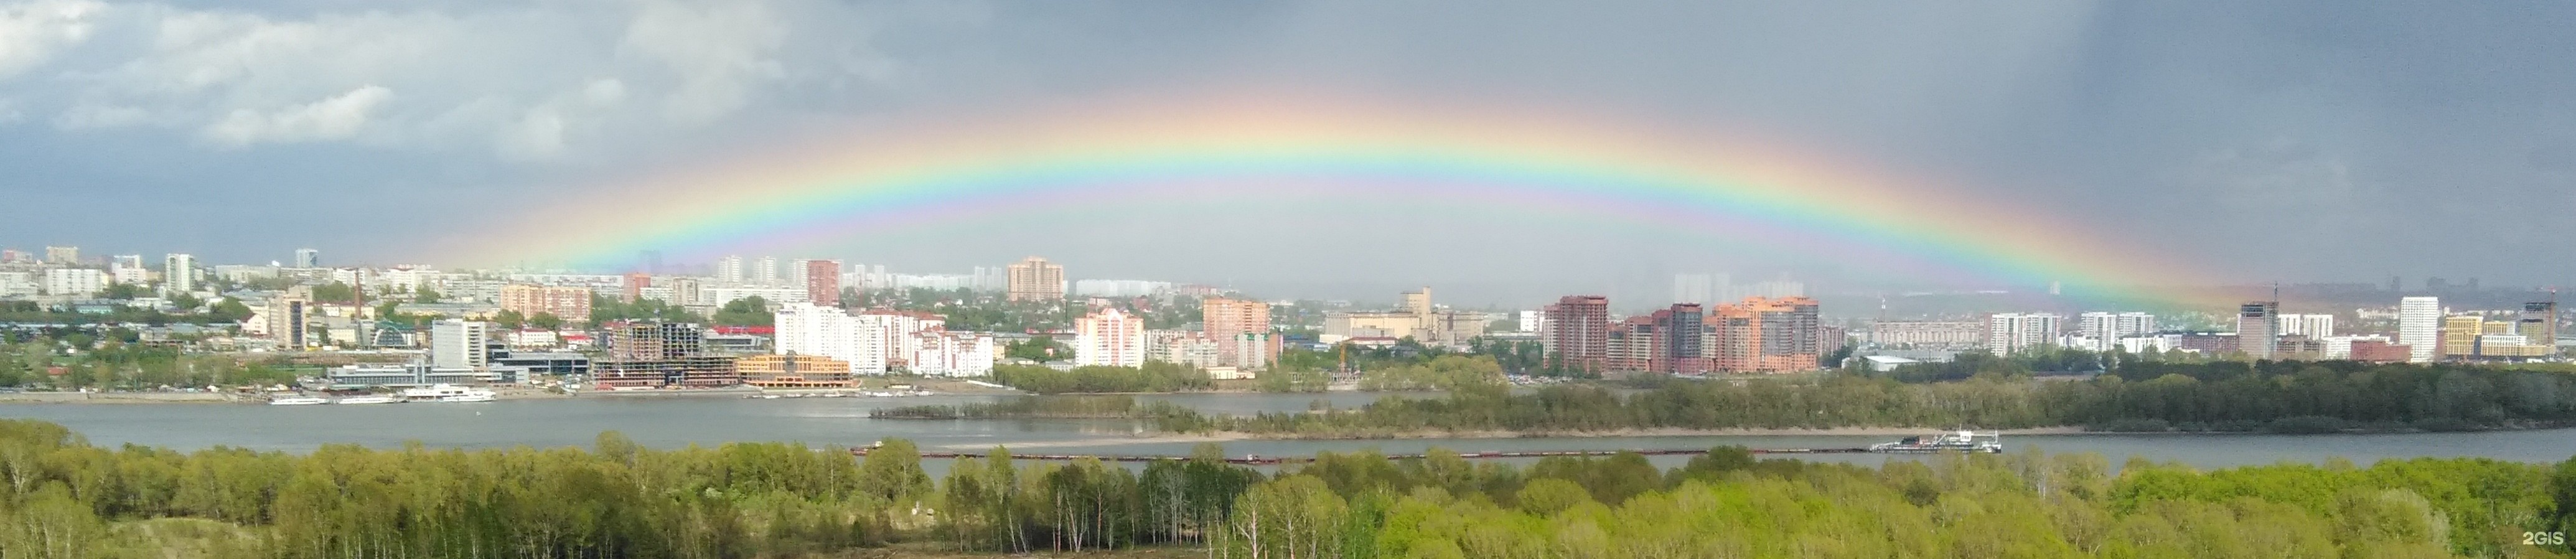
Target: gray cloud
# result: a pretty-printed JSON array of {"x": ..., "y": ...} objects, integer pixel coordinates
[{"x": 2298, "y": 140}]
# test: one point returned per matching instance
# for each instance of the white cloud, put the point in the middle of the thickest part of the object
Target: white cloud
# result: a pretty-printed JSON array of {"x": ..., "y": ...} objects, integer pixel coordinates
[
  {"x": 31, "y": 32},
  {"x": 526, "y": 82},
  {"x": 338, "y": 117}
]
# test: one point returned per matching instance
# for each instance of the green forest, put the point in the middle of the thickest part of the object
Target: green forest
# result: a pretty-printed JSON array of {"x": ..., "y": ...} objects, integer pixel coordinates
[
  {"x": 120, "y": 364},
  {"x": 2286, "y": 397},
  {"x": 65, "y": 499}
]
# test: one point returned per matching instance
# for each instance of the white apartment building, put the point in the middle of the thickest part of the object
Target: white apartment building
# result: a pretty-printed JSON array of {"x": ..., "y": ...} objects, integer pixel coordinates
[
  {"x": 1186, "y": 348},
  {"x": 18, "y": 284},
  {"x": 2419, "y": 326},
  {"x": 76, "y": 282},
  {"x": 729, "y": 271},
  {"x": 1928, "y": 333},
  {"x": 763, "y": 272},
  {"x": 805, "y": 329},
  {"x": 2010, "y": 332},
  {"x": 873, "y": 342},
  {"x": 178, "y": 273},
  {"x": 942, "y": 353},
  {"x": 460, "y": 344},
  {"x": 2314, "y": 326},
  {"x": 1109, "y": 337},
  {"x": 128, "y": 269},
  {"x": 2100, "y": 331}
]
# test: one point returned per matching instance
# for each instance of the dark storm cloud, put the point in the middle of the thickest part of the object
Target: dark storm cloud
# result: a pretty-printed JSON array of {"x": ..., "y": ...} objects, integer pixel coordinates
[{"x": 2284, "y": 140}]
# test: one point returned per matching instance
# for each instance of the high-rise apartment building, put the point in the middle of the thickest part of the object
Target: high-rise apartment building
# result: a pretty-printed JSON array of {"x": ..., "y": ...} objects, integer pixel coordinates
[
  {"x": 764, "y": 272},
  {"x": 1764, "y": 335},
  {"x": 872, "y": 342},
  {"x": 1035, "y": 279},
  {"x": 1230, "y": 322},
  {"x": 2105, "y": 329},
  {"x": 823, "y": 282},
  {"x": 2007, "y": 333},
  {"x": 1578, "y": 333},
  {"x": 286, "y": 318},
  {"x": 570, "y": 303},
  {"x": 456, "y": 343},
  {"x": 308, "y": 258},
  {"x": 729, "y": 271},
  {"x": 631, "y": 286},
  {"x": 2314, "y": 326},
  {"x": 1107, "y": 337},
  {"x": 806, "y": 329},
  {"x": 2419, "y": 327},
  {"x": 178, "y": 273},
  {"x": 62, "y": 255},
  {"x": 1670, "y": 340},
  {"x": 2257, "y": 328}
]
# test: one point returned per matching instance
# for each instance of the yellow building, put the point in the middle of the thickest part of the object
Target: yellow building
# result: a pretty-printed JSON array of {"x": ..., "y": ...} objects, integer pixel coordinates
[
  {"x": 2460, "y": 335},
  {"x": 793, "y": 371}
]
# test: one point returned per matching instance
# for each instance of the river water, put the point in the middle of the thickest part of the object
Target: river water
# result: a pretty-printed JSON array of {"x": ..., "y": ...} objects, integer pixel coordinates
[{"x": 677, "y": 422}]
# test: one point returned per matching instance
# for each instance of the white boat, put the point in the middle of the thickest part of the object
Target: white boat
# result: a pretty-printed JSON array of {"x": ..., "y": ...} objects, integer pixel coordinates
[
  {"x": 447, "y": 393},
  {"x": 298, "y": 401},
  {"x": 370, "y": 400}
]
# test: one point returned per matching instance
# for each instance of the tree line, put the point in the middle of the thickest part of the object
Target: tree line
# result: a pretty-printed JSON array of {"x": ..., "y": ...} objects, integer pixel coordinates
[
  {"x": 2146, "y": 396},
  {"x": 1154, "y": 376},
  {"x": 119, "y": 363},
  {"x": 65, "y": 498}
]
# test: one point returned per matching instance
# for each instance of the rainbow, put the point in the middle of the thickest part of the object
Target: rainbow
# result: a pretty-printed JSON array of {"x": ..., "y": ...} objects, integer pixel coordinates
[{"x": 841, "y": 188}]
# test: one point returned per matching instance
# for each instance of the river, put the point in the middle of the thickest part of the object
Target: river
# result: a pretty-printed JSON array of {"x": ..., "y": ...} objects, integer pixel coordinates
[{"x": 677, "y": 422}]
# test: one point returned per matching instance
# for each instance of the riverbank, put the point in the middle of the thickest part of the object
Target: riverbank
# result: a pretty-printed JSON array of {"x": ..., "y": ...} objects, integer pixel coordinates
[
  {"x": 1890, "y": 432},
  {"x": 121, "y": 398}
]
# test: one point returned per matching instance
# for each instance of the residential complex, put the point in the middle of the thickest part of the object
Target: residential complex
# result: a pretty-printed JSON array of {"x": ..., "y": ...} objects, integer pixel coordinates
[
  {"x": 1036, "y": 279},
  {"x": 1109, "y": 337}
]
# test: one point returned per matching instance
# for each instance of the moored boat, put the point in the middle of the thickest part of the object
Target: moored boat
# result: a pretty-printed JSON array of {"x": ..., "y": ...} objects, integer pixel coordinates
[
  {"x": 1957, "y": 441},
  {"x": 447, "y": 393},
  {"x": 297, "y": 401},
  {"x": 370, "y": 400}
]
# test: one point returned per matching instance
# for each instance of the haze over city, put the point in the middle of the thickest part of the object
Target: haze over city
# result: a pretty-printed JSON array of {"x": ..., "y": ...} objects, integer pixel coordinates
[{"x": 2254, "y": 143}]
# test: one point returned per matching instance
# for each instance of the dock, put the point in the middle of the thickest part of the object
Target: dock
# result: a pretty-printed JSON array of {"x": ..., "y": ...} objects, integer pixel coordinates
[{"x": 1258, "y": 460}]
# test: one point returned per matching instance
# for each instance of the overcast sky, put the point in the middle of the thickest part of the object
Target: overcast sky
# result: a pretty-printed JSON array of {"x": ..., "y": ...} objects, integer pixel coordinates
[{"x": 2326, "y": 140}]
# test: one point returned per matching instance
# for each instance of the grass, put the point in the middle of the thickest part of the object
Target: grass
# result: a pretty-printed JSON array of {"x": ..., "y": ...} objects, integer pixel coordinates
[{"x": 935, "y": 550}]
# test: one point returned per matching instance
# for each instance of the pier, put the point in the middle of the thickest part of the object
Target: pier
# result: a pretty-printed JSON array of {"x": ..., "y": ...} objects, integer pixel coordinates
[{"x": 1257, "y": 460}]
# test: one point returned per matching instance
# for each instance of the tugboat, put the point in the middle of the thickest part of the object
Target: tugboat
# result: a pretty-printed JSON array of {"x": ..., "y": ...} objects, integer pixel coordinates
[{"x": 1960, "y": 441}]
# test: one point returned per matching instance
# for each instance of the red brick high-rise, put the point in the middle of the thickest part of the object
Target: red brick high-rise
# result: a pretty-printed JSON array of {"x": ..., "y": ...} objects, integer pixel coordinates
[
  {"x": 1762, "y": 335},
  {"x": 1578, "y": 333},
  {"x": 1228, "y": 320},
  {"x": 823, "y": 282}
]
